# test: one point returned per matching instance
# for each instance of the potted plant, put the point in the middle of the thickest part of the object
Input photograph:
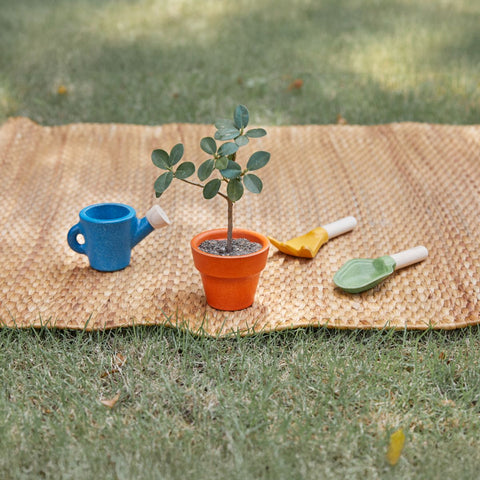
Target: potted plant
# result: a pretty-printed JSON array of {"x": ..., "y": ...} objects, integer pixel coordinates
[{"x": 230, "y": 259}]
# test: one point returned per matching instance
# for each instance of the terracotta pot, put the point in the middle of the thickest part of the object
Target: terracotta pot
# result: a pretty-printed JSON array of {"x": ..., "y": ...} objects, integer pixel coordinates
[{"x": 230, "y": 282}]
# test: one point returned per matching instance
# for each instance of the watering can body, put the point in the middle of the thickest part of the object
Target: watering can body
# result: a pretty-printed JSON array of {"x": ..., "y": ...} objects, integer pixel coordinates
[{"x": 110, "y": 231}]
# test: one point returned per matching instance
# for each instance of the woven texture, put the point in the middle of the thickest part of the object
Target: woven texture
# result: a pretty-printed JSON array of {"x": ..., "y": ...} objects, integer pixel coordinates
[{"x": 407, "y": 184}]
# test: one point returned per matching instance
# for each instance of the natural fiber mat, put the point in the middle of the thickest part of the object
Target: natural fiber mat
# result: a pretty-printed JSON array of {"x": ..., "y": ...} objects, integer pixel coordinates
[{"x": 407, "y": 184}]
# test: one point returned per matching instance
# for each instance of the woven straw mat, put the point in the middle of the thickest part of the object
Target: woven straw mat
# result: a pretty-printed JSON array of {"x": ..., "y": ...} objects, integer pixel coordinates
[{"x": 407, "y": 184}]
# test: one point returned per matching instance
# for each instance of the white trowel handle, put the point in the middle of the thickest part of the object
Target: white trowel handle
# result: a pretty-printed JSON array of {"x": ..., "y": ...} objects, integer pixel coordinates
[
  {"x": 343, "y": 225},
  {"x": 409, "y": 257}
]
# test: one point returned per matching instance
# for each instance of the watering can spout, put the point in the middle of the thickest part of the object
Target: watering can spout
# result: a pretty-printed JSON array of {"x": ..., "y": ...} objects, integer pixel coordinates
[{"x": 154, "y": 218}]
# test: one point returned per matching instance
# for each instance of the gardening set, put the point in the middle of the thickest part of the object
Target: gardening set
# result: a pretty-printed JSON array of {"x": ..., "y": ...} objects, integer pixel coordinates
[{"x": 230, "y": 260}]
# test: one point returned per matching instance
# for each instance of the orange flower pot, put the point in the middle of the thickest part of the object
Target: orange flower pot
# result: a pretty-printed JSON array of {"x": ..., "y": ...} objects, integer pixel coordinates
[{"x": 230, "y": 282}]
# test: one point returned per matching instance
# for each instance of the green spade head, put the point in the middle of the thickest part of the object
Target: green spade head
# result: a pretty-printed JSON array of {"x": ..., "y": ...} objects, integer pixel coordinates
[{"x": 360, "y": 274}]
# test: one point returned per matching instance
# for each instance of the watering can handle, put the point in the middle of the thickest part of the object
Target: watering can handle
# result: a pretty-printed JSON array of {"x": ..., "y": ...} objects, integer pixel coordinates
[
  {"x": 341, "y": 226},
  {"x": 409, "y": 257},
  {"x": 72, "y": 239}
]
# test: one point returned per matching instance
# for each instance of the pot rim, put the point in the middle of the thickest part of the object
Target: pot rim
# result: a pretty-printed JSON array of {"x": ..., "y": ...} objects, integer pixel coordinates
[{"x": 237, "y": 233}]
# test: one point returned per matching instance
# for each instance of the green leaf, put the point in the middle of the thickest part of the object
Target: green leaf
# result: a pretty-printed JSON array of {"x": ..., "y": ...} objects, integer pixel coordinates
[
  {"x": 258, "y": 160},
  {"x": 206, "y": 169},
  {"x": 227, "y": 149},
  {"x": 223, "y": 123},
  {"x": 208, "y": 145},
  {"x": 161, "y": 159},
  {"x": 256, "y": 133},
  {"x": 176, "y": 154},
  {"x": 241, "y": 140},
  {"x": 227, "y": 134},
  {"x": 235, "y": 189},
  {"x": 162, "y": 183},
  {"x": 233, "y": 170},
  {"x": 241, "y": 117},
  {"x": 185, "y": 170},
  {"x": 221, "y": 163},
  {"x": 252, "y": 183},
  {"x": 211, "y": 188}
]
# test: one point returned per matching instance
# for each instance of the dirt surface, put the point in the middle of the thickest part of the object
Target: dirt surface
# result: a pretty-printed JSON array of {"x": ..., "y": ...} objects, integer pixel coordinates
[{"x": 241, "y": 246}]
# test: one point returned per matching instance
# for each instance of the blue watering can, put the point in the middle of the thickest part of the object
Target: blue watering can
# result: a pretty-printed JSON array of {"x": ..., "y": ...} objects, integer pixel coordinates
[{"x": 110, "y": 231}]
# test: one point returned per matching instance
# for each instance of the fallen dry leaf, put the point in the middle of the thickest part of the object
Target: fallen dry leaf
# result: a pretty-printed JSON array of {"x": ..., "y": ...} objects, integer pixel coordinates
[
  {"x": 296, "y": 84},
  {"x": 397, "y": 440},
  {"x": 110, "y": 403},
  {"x": 118, "y": 362}
]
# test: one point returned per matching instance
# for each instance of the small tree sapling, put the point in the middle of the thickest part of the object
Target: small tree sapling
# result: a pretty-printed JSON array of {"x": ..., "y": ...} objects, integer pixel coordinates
[{"x": 223, "y": 163}]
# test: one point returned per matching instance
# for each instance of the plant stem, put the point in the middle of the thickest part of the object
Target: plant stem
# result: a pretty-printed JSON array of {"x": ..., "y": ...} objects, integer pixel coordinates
[
  {"x": 230, "y": 218},
  {"x": 230, "y": 213},
  {"x": 201, "y": 186},
  {"x": 230, "y": 226}
]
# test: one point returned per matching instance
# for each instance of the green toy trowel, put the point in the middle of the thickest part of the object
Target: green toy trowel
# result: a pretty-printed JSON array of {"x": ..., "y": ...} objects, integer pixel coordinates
[{"x": 360, "y": 274}]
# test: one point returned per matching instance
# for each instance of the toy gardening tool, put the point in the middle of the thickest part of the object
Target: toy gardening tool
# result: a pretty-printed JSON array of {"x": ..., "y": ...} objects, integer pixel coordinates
[
  {"x": 360, "y": 274},
  {"x": 308, "y": 245}
]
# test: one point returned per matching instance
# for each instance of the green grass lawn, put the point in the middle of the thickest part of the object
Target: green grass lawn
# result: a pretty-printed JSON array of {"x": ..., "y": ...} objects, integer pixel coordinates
[
  {"x": 158, "y": 61},
  {"x": 311, "y": 403},
  {"x": 308, "y": 404}
]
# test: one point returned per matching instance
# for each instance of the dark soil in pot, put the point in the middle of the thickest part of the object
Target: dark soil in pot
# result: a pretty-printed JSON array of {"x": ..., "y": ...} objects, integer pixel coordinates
[{"x": 241, "y": 246}]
